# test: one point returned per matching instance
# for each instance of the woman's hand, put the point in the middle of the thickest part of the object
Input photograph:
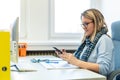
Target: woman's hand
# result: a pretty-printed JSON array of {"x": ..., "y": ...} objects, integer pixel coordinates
[{"x": 69, "y": 57}]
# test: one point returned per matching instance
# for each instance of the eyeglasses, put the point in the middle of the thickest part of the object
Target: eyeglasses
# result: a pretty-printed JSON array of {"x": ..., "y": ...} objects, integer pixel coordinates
[{"x": 86, "y": 24}]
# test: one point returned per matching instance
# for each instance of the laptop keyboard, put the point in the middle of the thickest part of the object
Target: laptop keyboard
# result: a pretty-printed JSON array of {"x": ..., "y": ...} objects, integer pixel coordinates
[{"x": 22, "y": 67}]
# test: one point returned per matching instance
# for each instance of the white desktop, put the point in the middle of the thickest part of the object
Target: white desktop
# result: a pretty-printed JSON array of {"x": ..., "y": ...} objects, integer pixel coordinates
[{"x": 42, "y": 73}]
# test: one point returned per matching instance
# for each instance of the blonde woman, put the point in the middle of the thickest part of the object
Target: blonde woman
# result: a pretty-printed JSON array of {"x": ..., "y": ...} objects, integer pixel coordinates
[{"x": 95, "y": 51}]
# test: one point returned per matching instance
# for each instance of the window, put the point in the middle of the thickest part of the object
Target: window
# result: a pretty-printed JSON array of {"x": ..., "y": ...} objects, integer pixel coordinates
[{"x": 65, "y": 18}]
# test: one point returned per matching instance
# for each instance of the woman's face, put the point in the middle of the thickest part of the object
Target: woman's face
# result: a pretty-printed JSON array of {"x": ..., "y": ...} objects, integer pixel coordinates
[{"x": 88, "y": 26}]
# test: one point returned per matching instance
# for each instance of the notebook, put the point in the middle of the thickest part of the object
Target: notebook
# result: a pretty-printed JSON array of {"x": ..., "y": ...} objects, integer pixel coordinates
[{"x": 58, "y": 65}]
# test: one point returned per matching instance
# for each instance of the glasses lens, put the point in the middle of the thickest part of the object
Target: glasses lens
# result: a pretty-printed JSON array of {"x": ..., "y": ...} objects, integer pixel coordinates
[{"x": 85, "y": 24}]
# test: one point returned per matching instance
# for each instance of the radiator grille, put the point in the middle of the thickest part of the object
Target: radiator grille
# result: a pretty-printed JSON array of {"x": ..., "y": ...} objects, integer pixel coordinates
[{"x": 44, "y": 52}]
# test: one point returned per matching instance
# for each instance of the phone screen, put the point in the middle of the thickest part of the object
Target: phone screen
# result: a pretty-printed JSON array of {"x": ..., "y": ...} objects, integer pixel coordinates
[{"x": 57, "y": 50}]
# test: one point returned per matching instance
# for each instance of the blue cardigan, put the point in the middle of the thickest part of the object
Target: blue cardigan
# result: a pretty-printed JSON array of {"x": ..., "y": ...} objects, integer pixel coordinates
[{"x": 102, "y": 55}]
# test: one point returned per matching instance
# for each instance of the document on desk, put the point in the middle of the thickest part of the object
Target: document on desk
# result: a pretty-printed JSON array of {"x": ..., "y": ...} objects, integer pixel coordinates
[{"x": 58, "y": 65}]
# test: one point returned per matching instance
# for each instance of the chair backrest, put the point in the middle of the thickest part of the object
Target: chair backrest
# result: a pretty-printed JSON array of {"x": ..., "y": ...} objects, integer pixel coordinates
[{"x": 115, "y": 30}]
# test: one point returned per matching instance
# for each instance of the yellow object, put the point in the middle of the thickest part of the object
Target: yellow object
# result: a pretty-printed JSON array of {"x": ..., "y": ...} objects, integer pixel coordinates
[{"x": 4, "y": 55}]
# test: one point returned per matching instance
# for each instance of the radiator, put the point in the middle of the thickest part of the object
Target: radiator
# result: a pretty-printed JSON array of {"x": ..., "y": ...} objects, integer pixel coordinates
[{"x": 44, "y": 52}]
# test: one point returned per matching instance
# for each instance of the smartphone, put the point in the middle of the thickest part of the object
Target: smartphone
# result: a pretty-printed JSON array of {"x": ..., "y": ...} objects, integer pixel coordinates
[{"x": 59, "y": 51}]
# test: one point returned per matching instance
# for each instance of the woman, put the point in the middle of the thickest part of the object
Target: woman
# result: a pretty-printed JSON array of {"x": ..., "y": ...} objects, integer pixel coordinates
[{"x": 95, "y": 51}]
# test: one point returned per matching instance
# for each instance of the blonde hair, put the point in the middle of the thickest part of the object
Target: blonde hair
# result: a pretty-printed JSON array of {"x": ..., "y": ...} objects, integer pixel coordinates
[{"x": 98, "y": 20}]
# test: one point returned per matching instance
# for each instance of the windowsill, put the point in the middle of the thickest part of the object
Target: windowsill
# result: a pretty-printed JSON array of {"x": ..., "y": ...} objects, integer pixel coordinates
[
  {"x": 51, "y": 42},
  {"x": 47, "y": 45}
]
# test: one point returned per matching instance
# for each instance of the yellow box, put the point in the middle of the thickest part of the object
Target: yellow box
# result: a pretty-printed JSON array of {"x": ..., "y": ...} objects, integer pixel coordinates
[{"x": 4, "y": 55}]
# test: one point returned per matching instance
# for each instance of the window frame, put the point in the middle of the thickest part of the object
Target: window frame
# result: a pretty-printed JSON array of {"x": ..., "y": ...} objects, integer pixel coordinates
[{"x": 52, "y": 34}]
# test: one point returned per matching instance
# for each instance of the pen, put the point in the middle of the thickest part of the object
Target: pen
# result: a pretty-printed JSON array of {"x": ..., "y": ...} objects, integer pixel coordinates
[
  {"x": 52, "y": 62},
  {"x": 44, "y": 60}
]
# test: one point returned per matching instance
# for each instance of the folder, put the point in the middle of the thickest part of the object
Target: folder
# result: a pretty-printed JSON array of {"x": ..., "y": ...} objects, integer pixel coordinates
[{"x": 4, "y": 55}]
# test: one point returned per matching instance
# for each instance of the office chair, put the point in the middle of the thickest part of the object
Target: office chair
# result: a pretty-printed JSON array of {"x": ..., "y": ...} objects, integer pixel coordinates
[{"x": 115, "y": 30}]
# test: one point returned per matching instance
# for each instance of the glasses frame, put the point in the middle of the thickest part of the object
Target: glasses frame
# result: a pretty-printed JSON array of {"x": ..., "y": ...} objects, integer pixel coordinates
[{"x": 84, "y": 25}]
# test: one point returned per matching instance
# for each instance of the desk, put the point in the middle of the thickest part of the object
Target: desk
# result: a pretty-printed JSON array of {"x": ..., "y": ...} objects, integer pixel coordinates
[{"x": 56, "y": 74}]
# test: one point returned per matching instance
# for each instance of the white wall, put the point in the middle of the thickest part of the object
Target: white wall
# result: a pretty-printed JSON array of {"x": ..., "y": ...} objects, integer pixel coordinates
[
  {"x": 111, "y": 11},
  {"x": 35, "y": 16},
  {"x": 34, "y": 22}
]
